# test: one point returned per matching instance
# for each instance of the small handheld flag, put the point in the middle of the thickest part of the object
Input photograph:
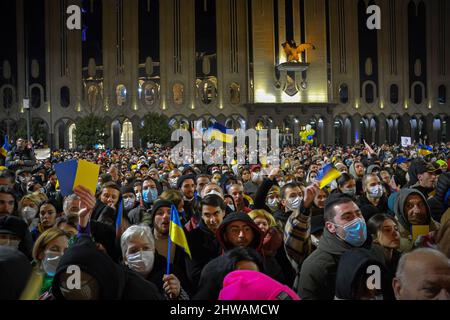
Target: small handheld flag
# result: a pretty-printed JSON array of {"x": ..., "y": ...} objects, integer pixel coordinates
[
  {"x": 119, "y": 218},
  {"x": 425, "y": 150},
  {"x": 176, "y": 235},
  {"x": 5, "y": 148},
  {"x": 327, "y": 174}
]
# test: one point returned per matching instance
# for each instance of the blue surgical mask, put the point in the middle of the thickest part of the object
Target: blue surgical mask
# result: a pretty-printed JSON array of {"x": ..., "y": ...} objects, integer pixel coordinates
[
  {"x": 355, "y": 232},
  {"x": 145, "y": 196},
  {"x": 349, "y": 191},
  {"x": 50, "y": 263}
]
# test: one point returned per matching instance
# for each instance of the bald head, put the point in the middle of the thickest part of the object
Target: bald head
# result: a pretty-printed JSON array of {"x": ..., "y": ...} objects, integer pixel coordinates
[{"x": 423, "y": 274}]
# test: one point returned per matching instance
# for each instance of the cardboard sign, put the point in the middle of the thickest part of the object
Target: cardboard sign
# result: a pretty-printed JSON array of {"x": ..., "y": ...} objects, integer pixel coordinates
[
  {"x": 42, "y": 154},
  {"x": 419, "y": 230},
  {"x": 73, "y": 173},
  {"x": 406, "y": 141}
]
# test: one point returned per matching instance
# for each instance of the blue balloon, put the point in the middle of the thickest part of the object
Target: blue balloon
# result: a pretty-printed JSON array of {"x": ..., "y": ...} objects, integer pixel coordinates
[{"x": 309, "y": 137}]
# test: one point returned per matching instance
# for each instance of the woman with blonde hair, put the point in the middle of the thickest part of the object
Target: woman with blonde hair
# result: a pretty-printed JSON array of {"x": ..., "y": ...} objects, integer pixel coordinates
[
  {"x": 273, "y": 241},
  {"x": 47, "y": 252},
  {"x": 28, "y": 209}
]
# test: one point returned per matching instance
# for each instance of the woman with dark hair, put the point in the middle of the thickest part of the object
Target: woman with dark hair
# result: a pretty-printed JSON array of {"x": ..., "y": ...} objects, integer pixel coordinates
[
  {"x": 346, "y": 185},
  {"x": 47, "y": 218},
  {"x": 386, "y": 240}
]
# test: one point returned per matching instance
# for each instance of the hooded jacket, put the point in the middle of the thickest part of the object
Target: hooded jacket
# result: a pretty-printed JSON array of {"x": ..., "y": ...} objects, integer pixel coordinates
[
  {"x": 358, "y": 180},
  {"x": 406, "y": 240},
  {"x": 352, "y": 270},
  {"x": 318, "y": 274},
  {"x": 116, "y": 282},
  {"x": 368, "y": 209},
  {"x": 204, "y": 247},
  {"x": 212, "y": 275},
  {"x": 15, "y": 269},
  {"x": 437, "y": 203}
]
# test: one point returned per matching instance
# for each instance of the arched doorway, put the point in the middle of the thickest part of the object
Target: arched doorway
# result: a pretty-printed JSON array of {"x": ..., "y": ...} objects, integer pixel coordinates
[
  {"x": 437, "y": 129},
  {"x": 71, "y": 134},
  {"x": 364, "y": 127},
  {"x": 115, "y": 134},
  {"x": 372, "y": 134},
  {"x": 126, "y": 138},
  {"x": 338, "y": 132},
  {"x": 320, "y": 132}
]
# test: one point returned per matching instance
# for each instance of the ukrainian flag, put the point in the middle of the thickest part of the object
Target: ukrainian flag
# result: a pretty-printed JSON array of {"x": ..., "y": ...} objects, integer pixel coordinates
[
  {"x": 5, "y": 148},
  {"x": 119, "y": 218},
  {"x": 327, "y": 174},
  {"x": 425, "y": 150},
  {"x": 219, "y": 132},
  {"x": 176, "y": 232}
]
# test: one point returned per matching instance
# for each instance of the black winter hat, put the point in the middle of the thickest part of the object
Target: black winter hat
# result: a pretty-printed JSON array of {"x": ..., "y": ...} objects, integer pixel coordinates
[{"x": 185, "y": 177}]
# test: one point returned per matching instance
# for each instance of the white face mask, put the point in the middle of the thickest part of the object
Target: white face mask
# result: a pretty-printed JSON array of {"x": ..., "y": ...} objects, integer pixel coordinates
[
  {"x": 173, "y": 182},
  {"x": 50, "y": 263},
  {"x": 273, "y": 203},
  {"x": 215, "y": 192},
  {"x": 29, "y": 213},
  {"x": 10, "y": 243},
  {"x": 232, "y": 208},
  {"x": 142, "y": 261},
  {"x": 129, "y": 203},
  {"x": 256, "y": 176},
  {"x": 294, "y": 203},
  {"x": 375, "y": 191}
]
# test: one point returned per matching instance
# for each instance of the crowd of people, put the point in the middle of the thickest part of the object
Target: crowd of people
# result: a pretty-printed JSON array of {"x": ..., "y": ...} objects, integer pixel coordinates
[{"x": 381, "y": 230}]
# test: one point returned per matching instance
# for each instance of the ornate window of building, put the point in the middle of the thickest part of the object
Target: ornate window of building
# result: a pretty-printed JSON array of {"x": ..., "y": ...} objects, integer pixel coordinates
[
  {"x": 121, "y": 95},
  {"x": 343, "y": 93},
  {"x": 442, "y": 94},
  {"x": 393, "y": 94},
  {"x": 7, "y": 97},
  {"x": 235, "y": 93},
  {"x": 64, "y": 96},
  {"x": 150, "y": 93},
  {"x": 36, "y": 96},
  {"x": 369, "y": 93},
  {"x": 92, "y": 96},
  {"x": 178, "y": 93},
  {"x": 207, "y": 90},
  {"x": 418, "y": 90}
]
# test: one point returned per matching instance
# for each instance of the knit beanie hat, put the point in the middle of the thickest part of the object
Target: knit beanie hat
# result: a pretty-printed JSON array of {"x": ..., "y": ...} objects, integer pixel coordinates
[{"x": 253, "y": 285}]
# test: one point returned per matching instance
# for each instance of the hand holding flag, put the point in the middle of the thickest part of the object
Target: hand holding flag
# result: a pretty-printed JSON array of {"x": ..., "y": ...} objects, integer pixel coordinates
[
  {"x": 327, "y": 174},
  {"x": 176, "y": 235}
]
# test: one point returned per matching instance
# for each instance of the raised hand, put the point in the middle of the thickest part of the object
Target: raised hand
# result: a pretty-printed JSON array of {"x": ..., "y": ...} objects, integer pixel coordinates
[
  {"x": 87, "y": 203},
  {"x": 171, "y": 286}
]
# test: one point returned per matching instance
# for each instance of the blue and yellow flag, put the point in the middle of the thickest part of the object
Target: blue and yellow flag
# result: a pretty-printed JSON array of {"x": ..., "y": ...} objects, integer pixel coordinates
[
  {"x": 73, "y": 173},
  {"x": 327, "y": 174},
  {"x": 425, "y": 150},
  {"x": 5, "y": 148},
  {"x": 219, "y": 132},
  {"x": 176, "y": 232},
  {"x": 119, "y": 218}
]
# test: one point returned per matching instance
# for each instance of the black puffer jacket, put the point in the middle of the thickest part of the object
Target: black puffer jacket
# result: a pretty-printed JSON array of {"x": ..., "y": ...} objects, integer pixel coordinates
[
  {"x": 15, "y": 156},
  {"x": 15, "y": 269},
  {"x": 116, "y": 282},
  {"x": 436, "y": 203},
  {"x": 211, "y": 278},
  {"x": 353, "y": 269},
  {"x": 318, "y": 274}
]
